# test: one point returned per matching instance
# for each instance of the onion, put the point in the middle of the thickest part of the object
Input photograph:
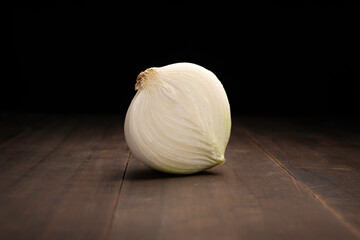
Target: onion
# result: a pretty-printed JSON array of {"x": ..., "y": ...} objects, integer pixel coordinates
[{"x": 179, "y": 120}]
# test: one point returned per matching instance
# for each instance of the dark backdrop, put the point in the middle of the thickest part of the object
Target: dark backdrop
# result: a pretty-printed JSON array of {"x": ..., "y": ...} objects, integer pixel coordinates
[{"x": 290, "y": 59}]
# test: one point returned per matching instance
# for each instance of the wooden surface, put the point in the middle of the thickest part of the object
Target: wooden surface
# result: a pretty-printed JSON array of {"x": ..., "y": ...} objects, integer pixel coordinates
[{"x": 74, "y": 178}]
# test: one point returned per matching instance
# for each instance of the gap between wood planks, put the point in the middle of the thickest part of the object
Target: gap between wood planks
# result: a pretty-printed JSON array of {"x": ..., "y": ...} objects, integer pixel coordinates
[
  {"x": 296, "y": 181},
  {"x": 108, "y": 230}
]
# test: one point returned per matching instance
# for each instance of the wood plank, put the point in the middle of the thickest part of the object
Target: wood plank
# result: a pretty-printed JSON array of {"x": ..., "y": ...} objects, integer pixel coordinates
[
  {"x": 62, "y": 181},
  {"x": 12, "y": 125},
  {"x": 325, "y": 158},
  {"x": 8, "y": 130},
  {"x": 33, "y": 147},
  {"x": 248, "y": 197}
]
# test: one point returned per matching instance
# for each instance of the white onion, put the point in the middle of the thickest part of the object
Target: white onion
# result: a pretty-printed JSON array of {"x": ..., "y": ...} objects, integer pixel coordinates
[{"x": 179, "y": 120}]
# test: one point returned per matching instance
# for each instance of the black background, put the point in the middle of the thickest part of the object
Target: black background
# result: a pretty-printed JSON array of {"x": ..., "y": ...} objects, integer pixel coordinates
[{"x": 273, "y": 59}]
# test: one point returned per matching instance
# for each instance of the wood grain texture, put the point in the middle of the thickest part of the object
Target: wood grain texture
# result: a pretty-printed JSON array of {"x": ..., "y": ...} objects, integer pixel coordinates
[
  {"x": 73, "y": 177},
  {"x": 249, "y": 197},
  {"x": 8, "y": 130},
  {"x": 13, "y": 125},
  {"x": 324, "y": 158},
  {"x": 62, "y": 181}
]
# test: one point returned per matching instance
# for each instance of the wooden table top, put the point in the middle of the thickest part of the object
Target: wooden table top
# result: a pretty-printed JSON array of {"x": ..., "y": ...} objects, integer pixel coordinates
[{"x": 73, "y": 177}]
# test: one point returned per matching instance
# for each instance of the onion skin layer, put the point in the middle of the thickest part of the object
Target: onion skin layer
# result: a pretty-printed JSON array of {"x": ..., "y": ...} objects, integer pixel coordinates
[{"x": 179, "y": 120}]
